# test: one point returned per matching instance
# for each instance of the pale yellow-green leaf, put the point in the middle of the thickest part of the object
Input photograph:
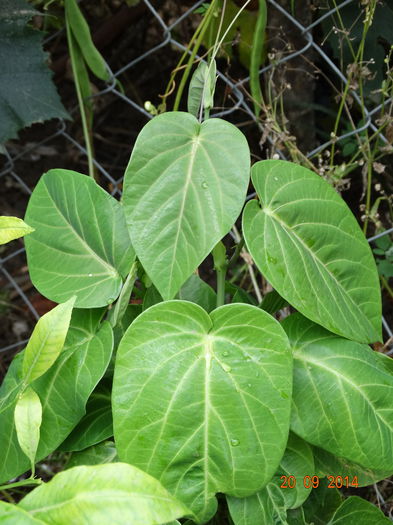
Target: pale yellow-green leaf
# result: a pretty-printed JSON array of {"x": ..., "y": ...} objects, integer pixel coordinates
[
  {"x": 28, "y": 418},
  {"x": 12, "y": 228},
  {"x": 12, "y": 515},
  {"x": 114, "y": 493},
  {"x": 46, "y": 341}
]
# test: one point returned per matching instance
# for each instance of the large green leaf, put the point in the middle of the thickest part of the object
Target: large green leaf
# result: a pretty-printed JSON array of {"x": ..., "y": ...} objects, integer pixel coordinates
[
  {"x": 46, "y": 341},
  {"x": 114, "y": 493},
  {"x": 202, "y": 402},
  {"x": 342, "y": 395},
  {"x": 270, "y": 504},
  {"x": 307, "y": 243},
  {"x": 13, "y": 515},
  {"x": 184, "y": 188},
  {"x": 81, "y": 245},
  {"x": 27, "y": 94},
  {"x": 12, "y": 228},
  {"x": 64, "y": 390}
]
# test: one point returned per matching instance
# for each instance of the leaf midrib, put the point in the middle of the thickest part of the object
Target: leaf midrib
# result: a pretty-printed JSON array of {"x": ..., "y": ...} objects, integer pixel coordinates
[
  {"x": 111, "y": 270},
  {"x": 318, "y": 261}
]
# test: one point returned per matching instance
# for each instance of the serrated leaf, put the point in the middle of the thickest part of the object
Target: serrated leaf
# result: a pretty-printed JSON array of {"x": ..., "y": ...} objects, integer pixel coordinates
[
  {"x": 114, "y": 493},
  {"x": 12, "y": 228},
  {"x": 13, "y": 515},
  {"x": 270, "y": 505},
  {"x": 46, "y": 341},
  {"x": 184, "y": 188},
  {"x": 81, "y": 245},
  {"x": 24, "y": 64},
  {"x": 64, "y": 390},
  {"x": 338, "y": 385},
  {"x": 202, "y": 402},
  {"x": 28, "y": 419},
  {"x": 307, "y": 243}
]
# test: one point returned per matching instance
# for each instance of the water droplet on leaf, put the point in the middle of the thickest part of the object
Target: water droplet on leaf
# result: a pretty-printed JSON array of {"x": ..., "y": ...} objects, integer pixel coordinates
[
  {"x": 226, "y": 368},
  {"x": 235, "y": 442},
  {"x": 205, "y": 185},
  {"x": 225, "y": 353}
]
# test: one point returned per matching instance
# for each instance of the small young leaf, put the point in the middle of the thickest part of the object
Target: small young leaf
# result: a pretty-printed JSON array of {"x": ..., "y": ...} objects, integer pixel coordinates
[
  {"x": 64, "y": 390},
  {"x": 307, "y": 243},
  {"x": 202, "y": 401},
  {"x": 46, "y": 341},
  {"x": 28, "y": 418},
  {"x": 81, "y": 33},
  {"x": 201, "y": 90},
  {"x": 12, "y": 228},
  {"x": 338, "y": 385},
  {"x": 116, "y": 314},
  {"x": 113, "y": 493},
  {"x": 184, "y": 188},
  {"x": 81, "y": 245}
]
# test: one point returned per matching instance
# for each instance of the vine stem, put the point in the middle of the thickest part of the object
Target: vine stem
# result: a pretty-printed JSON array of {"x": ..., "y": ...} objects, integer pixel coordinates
[
  {"x": 86, "y": 133},
  {"x": 24, "y": 482},
  {"x": 197, "y": 45},
  {"x": 221, "y": 266}
]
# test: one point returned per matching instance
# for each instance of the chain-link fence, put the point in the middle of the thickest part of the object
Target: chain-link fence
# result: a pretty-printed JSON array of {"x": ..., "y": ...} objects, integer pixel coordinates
[{"x": 237, "y": 103}]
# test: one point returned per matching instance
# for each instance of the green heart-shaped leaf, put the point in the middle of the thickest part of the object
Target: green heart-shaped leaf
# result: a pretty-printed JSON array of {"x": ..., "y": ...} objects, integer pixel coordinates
[
  {"x": 201, "y": 402},
  {"x": 81, "y": 244},
  {"x": 305, "y": 240},
  {"x": 184, "y": 188},
  {"x": 338, "y": 385}
]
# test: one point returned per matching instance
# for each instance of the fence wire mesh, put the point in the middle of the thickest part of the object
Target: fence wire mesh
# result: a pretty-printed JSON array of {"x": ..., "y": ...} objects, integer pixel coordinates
[{"x": 237, "y": 103}]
